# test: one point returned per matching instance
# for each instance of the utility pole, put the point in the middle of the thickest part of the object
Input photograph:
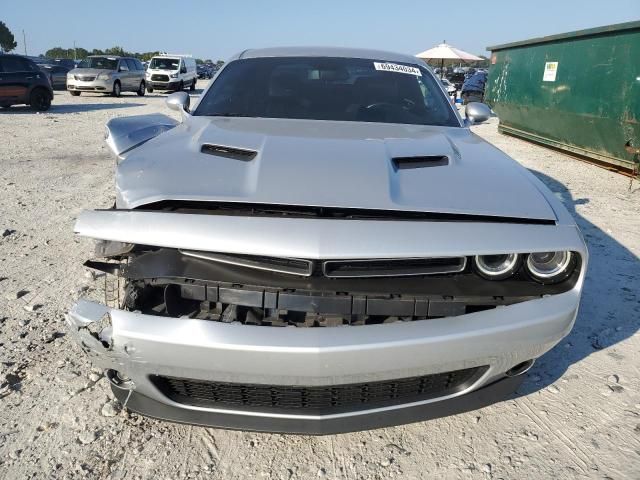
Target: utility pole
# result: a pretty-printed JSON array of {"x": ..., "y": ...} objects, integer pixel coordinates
[{"x": 24, "y": 41}]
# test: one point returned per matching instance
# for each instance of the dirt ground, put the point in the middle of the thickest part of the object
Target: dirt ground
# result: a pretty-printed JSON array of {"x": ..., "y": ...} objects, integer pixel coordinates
[{"x": 576, "y": 416}]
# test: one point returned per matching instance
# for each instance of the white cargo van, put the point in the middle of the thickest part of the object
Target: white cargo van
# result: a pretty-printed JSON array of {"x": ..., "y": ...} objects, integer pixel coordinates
[{"x": 171, "y": 72}]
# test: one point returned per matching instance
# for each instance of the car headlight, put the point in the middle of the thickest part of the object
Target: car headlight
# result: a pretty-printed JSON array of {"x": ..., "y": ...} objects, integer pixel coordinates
[
  {"x": 174, "y": 75},
  {"x": 497, "y": 267},
  {"x": 550, "y": 267},
  {"x": 102, "y": 76}
]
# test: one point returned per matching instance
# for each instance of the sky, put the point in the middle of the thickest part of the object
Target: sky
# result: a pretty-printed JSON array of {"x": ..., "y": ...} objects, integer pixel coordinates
[{"x": 216, "y": 30}]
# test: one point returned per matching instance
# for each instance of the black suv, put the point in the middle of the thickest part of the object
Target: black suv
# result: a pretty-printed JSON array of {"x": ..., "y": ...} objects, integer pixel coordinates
[{"x": 22, "y": 82}]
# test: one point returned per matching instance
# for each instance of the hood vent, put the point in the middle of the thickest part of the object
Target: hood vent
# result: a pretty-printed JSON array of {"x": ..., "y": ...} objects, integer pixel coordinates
[
  {"x": 228, "y": 152},
  {"x": 402, "y": 163}
]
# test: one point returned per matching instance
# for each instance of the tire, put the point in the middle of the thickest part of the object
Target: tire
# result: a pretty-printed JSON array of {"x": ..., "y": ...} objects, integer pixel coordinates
[
  {"x": 141, "y": 89},
  {"x": 150, "y": 89},
  {"x": 181, "y": 86},
  {"x": 75, "y": 94},
  {"x": 117, "y": 89},
  {"x": 40, "y": 100},
  {"x": 193, "y": 85}
]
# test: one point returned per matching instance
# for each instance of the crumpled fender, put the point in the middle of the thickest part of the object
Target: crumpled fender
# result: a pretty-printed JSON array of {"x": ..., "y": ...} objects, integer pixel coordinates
[{"x": 125, "y": 134}]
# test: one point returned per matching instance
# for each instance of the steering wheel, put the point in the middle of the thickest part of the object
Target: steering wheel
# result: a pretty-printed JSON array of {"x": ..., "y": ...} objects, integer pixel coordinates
[{"x": 377, "y": 105}]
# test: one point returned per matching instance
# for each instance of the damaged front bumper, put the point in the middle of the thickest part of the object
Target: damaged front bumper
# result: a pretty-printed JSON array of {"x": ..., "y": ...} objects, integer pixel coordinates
[
  {"x": 216, "y": 328},
  {"x": 142, "y": 348}
]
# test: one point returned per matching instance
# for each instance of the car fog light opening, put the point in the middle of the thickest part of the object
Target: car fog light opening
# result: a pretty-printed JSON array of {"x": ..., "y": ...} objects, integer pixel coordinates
[
  {"x": 497, "y": 267},
  {"x": 550, "y": 267}
]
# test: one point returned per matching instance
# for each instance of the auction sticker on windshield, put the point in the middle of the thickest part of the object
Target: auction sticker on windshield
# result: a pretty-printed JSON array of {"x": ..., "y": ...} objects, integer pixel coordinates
[{"x": 394, "y": 67}]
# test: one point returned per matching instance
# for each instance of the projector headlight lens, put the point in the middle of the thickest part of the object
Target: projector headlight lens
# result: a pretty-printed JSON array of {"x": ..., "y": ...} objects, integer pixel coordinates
[
  {"x": 497, "y": 267},
  {"x": 550, "y": 267}
]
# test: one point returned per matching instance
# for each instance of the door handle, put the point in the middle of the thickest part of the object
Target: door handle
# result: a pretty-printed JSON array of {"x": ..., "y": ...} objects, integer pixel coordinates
[{"x": 28, "y": 78}]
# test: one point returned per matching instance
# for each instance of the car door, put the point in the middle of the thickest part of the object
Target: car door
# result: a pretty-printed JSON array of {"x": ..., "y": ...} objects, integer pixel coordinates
[
  {"x": 59, "y": 77},
  {"x": 136, "y": 78},
  {"x": 16, "y": 76},
  {"x": 124, "y": 74}
]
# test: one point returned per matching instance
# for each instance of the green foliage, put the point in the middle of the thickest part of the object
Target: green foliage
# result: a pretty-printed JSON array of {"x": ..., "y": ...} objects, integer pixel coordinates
[
  {"x": 59, "y": 52},
  {"x": 7, "y": 40}
]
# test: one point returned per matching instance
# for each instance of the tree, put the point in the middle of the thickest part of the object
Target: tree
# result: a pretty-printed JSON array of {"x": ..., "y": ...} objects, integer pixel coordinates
[
  {"x": 7, "y": 40},
  {"x": 219, "y": 63},
  {"x": 115, "y": 51}
]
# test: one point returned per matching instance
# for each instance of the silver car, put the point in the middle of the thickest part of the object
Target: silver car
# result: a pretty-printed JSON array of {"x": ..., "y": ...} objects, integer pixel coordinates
[
  {"x": 107, "y": 74},
  {"x": 322, "y": 245}
]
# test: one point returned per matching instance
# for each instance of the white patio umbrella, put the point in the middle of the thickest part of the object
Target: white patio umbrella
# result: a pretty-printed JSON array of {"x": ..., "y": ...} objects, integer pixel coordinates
[{"x": 443, "y": 52}]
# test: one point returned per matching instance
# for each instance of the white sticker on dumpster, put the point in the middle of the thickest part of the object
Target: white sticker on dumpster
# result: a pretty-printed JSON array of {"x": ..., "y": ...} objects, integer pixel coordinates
[
  {"x": 550, "y": 70},
  {"x": 394, "y": 67}
]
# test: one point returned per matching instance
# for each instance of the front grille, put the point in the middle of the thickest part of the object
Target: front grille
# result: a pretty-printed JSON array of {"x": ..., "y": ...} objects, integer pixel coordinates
[
  {"x": 160, "y": 78},
  {"x": 316, "y": 400},
  {"x": 367, "y": 268},
  {"x": 401, "y": 267},
  {"x": 85, "y": 78},
  {"x": 292, "y": 266}
]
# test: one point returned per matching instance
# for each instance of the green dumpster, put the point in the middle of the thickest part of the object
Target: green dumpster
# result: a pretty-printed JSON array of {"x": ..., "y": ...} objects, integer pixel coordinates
[{"x": 578, "y": 92}]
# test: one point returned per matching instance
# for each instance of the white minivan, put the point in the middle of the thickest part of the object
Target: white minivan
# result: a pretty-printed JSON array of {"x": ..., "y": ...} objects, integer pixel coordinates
[{"x": 171, "y": 72}]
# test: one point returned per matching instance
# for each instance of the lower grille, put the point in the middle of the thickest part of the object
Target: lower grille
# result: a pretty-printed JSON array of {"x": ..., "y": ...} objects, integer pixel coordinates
[
  {"x": 318, "y": 400},
  {"x": 160, "y": 78}
]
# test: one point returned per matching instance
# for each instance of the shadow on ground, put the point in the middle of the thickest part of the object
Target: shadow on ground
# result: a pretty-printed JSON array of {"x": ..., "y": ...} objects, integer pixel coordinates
[
  {"x": 68, "y": 108},
  {"x": 610, "y": 307}
]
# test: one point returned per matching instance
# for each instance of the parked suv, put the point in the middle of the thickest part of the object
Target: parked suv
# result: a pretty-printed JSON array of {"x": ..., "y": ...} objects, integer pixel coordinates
[
  {"x": 22, "y": 82},
  {"x": 171, "y": 72},
  {"x": 107, "y": 74}
]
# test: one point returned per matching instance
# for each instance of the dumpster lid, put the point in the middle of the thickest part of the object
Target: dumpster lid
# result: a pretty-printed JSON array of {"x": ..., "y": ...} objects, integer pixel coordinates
[{"x": 569, "y": 35}]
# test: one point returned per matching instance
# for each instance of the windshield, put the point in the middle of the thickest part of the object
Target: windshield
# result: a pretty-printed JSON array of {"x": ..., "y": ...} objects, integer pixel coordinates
[
  {"x": 103, "y": 63},
  {"x": 164, "y": 63},
  {"x": 321, "y": 88}
]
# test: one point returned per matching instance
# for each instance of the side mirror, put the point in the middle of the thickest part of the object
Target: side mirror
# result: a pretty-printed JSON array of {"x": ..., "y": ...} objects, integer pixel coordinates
[
  {"x": 179, "y": 101},
  {"x": 477, "y": 112},
  {"x": 183, "y": 70}
]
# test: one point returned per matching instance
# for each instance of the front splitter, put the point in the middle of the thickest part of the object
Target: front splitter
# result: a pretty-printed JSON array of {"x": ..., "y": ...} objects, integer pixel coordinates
[{"x": 487, "y": 395}]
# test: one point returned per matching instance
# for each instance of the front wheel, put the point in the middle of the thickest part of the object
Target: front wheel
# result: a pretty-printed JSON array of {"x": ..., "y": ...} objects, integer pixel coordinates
[
  {"x": 141, "y": 90},
  {"x": 117, "y": 89},
  {"x": 181, "y": 86},
  {"x": 193, "y": 85},
  {"x": 75, "y": 94},
  {"x": 40, "y": 100}
]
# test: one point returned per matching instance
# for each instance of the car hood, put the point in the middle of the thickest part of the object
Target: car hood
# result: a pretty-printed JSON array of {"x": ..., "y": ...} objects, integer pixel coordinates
[{"x": 330, "y": 164}]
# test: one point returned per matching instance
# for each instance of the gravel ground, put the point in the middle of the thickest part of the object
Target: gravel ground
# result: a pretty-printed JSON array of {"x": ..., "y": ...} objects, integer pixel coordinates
[{"x": 577, "y": 414}]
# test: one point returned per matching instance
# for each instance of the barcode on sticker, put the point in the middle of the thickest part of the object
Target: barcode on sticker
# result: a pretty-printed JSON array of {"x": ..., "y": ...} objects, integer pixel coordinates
[{"x": 394, "y": 67}]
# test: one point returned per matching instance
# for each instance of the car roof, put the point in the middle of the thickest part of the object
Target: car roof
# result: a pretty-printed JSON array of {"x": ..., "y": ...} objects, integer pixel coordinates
[
  {"x": 13, "y": 55},
  {"x": 329, "y": 52}
]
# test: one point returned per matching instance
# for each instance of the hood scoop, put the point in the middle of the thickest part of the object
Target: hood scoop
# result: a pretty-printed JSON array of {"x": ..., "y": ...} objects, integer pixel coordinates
[
  {"x": 228, "y": 152},
  {"x": 403, "y": 163}
]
